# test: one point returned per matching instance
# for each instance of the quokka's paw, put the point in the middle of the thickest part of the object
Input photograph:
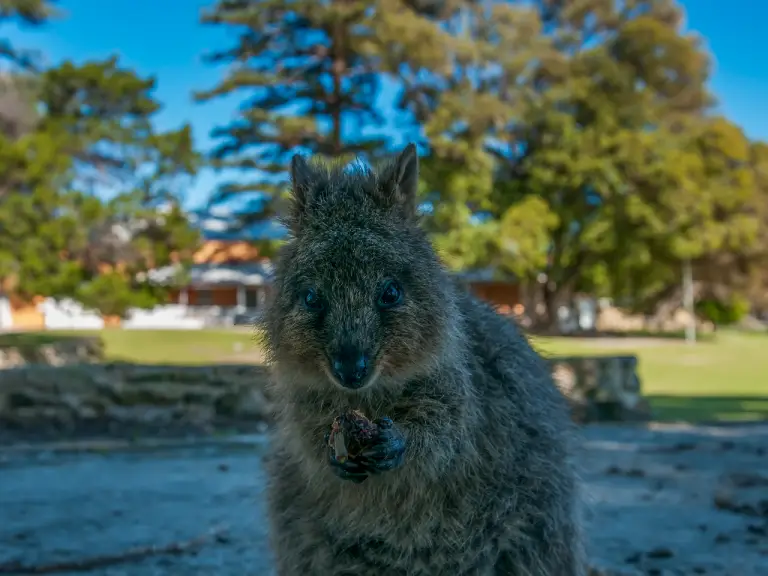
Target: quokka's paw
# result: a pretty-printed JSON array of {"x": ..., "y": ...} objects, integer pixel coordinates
[
  {"x": 357, "y": 447},
  {"x": 387, "y": 450},
  {"x": 348, "y": 469}
]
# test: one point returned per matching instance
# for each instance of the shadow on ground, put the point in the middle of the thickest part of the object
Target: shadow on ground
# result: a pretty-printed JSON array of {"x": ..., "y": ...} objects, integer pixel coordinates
[
  {"x": 709, "y": 408},
  {"x": 632, "y": 334},
  {"x": 31, "y": 340}
]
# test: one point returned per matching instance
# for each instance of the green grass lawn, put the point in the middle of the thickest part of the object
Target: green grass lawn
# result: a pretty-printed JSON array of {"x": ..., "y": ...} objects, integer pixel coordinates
[
  {"x": 160, "y": 346},
  {"x": 721, "y": 378}
]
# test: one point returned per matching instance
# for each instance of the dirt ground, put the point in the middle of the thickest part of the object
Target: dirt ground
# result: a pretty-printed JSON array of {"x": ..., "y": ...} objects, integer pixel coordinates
[{"x": 658, "y": 501}]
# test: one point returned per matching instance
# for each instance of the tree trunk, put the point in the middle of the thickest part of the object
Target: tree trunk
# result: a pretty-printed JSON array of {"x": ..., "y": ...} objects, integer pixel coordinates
[
  {"x": 337, "y": 73},
  {"x": 543, "y": 307}
]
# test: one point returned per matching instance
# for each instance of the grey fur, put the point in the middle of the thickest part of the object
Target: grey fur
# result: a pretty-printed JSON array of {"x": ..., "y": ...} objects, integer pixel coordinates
[{"x": 487, "y": 487}]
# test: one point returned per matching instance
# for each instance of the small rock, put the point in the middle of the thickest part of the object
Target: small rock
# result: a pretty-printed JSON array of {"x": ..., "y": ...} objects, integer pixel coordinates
[
  {"x": 757, "y": 529},
  {"x": 723, "y": 500},
  {"x": 630, "y": 472},
  {"x": 661, "y": 552},
  {"x": 722, "y": 539},
  {"x": 747, "y": 503},
  {"x": 746, "y": 480}
]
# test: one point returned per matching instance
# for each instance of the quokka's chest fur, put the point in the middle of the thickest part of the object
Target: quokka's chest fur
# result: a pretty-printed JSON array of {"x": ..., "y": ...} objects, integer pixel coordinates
[{"x": 408, "y": 528}]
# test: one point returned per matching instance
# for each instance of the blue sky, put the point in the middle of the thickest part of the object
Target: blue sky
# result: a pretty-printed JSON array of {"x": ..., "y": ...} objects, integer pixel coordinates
[{"x": 138, "y": 30}]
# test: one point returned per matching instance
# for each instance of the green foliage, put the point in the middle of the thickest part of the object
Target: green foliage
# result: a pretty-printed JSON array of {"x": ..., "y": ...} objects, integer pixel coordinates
[
  {"x": 94, "y": 134},
  {"x": 723, "y": 313},
  {"x": 112, "y": 295},
  {"x": 104, "y": 112},
  {"x": 574, "y": 139},
  {"x": 595, "y": 115},
  {"x": 26, "y": 12},
  {"x": 309, "y": 73}
]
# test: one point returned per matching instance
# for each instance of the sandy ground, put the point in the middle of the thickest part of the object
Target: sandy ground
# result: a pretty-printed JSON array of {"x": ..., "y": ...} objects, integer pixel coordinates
[{"x": 661, "y": 501}]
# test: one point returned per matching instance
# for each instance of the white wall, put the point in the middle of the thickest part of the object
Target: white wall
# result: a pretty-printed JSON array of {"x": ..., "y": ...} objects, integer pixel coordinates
[
  {"x": 69, "y": 314},
  {"x": 6, "y": 316},
  {"x": 170, "y": 317}
]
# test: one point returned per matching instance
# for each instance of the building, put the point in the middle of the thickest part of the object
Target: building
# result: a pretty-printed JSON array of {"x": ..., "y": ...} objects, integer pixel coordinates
[
  {"x": 227, "y": 284},
  {"x": 497, "y": 288},
  {"x": 222, "y": 294},
  {"x": 229, "y": 279}
]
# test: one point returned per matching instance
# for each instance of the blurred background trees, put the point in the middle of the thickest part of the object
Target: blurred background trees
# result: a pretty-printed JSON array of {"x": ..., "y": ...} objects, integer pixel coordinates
[
  {"x": 70, "y": 133},
  {"x": 572, "y": 143}
]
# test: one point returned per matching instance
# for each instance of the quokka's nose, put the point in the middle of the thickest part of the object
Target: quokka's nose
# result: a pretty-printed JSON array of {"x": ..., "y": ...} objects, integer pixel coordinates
[{"x": 350, "y": 368}]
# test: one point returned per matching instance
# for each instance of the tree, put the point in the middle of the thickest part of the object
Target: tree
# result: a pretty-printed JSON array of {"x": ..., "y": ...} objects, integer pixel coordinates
[
  {"x": 609, "y": 105},
  {"x": 570, "y": 140},
  {"x": 29, "y": 13},
  {"x": 757, "y": 265},
  {"x": 95, "y": 133},
  {"x": 310, "y": 73},
  {"x": 569, "y": 114},
  {"x": 38, "y": 224},
  {"x": 697, "y": 204},
  {"x": 17, "y": 112},
  {"x": 462, "y": 113},
  {"x": 737, "y": 272}
]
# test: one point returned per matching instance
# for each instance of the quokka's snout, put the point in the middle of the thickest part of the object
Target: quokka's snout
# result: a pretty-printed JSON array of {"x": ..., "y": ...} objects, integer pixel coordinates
[{"x": 351, "y": 366}]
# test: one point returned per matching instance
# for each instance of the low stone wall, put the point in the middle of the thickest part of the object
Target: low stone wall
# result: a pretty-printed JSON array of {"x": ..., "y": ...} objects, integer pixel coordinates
[
  {"x": 23, "y": 350},
  {"x": 601, "y": 388},
  {"x": 126, "y": 399}
]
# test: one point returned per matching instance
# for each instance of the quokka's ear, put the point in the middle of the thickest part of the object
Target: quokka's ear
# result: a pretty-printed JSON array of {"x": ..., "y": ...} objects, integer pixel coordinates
[
  {"x": 399, "y": 182},
  {"x": 301, "y": 186}
]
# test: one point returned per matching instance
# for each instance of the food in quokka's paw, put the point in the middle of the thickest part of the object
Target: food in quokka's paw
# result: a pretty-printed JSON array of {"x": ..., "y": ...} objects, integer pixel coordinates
[{"x": 350, "y": 433}]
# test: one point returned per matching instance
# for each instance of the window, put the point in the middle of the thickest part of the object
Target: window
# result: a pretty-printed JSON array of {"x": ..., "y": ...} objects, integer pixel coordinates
[
  {"x": 205, "y": 297},
  {"x": 252, "y": 298}
]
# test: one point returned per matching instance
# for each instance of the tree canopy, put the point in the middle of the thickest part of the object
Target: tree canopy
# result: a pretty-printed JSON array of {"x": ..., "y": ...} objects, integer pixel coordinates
[
  {"x": 93, "y": 139},
  {"x": 572, "y": 143},
  {"x": 310, "y": 74},
  {"x": 28, "y": 13}
]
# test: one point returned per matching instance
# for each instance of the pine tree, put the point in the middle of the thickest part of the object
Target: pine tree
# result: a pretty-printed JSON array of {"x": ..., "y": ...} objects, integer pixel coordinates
[
  {"x": 310, "y": 74},
  {"x": 95, "y": 132},
  {"x": 28, "y": 13}
]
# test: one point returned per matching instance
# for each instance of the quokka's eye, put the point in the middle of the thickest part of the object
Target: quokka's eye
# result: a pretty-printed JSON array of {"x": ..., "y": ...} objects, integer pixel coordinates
[
  {"x": 391, "y": 295},
  {"x": 311, "y": 300}
]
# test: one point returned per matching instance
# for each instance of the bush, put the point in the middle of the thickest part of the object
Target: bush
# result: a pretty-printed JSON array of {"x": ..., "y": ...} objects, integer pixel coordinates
[{"x": 723, "y": 313}]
